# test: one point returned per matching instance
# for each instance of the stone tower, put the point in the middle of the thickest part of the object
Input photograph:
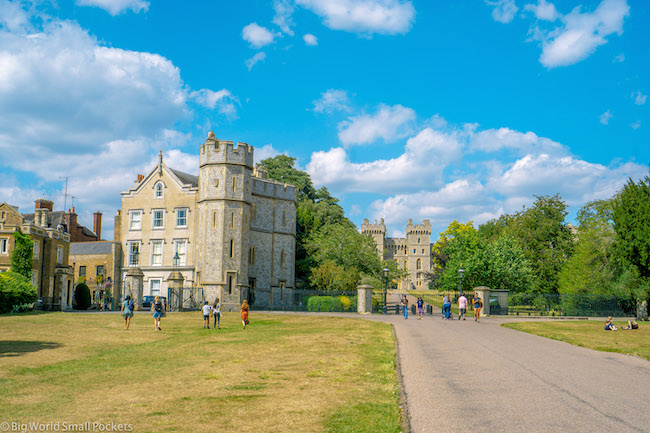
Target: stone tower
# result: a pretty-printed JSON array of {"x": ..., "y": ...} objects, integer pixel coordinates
[
  {"x": 418, "y": 241},
  {"x": 377, "y": 232},
  {"x": 224, "y": 204}
]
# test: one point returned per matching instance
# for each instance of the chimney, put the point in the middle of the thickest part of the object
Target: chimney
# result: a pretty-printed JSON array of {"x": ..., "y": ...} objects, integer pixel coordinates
[
  {"x": 97, "y": 226},
  {"x": 71, "y": 221},
  {"x": 139, "y": 179},
  {"x": 41, "y": 203},
  {"x": 117, "y": 231}
]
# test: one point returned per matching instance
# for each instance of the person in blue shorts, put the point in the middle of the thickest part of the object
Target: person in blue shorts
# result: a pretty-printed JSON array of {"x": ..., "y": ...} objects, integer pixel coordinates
[{"x": 478, "y": 304}]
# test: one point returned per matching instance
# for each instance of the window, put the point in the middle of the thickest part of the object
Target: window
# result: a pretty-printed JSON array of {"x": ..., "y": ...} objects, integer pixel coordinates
[
  {"x": 59, "y": 254},
  {"x": 3, "y": 215},
  {"x": 232, "y": 248},
  {"x": 214, "y": 219},
  {"x": 37, "y": 245},
  {"x": 159, "y": 190},
  {"x": 154, "y": 287},
  {"x": 404, "y": 264},
  {"x": 181, "y": 217},
  {"x": 100, "y": 270},
  {"x": 281, "y": 290},
  {"x": 418, "y": 240},
  {"x": 418, "y": 264},
  {"x": 134, "y": 253},
  {"x": 82, "y": 271},
  {"x": 158, "y": 215},
  {"x": 135, "y": 220},
  {"x": 282, "y": 258},
  {"x": 34, "y": 278},
  {"x": 230, "y": 283},
  {"x": 156, "y": 252},
  {"x": 4, "y": 245},
  {"x": 251, "y": 256},
  {"x": 234, "y": 184},
  {"x": 284, "y": 217},
  {"x": 180, "y": 248},
  {"x": 232, "y": 220}
]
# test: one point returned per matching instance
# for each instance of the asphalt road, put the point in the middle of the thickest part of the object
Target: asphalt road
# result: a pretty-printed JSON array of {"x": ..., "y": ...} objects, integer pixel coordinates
[{"x": 462, "y": 376}]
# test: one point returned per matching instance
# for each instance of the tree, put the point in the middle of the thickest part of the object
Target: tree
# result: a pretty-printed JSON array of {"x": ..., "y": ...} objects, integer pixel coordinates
[
  {"x": 281, "y": 168},
  {"x": 331, "y": 276},
  {"x": 21, "y": 257},
  {"x": 631, "y": 215}
]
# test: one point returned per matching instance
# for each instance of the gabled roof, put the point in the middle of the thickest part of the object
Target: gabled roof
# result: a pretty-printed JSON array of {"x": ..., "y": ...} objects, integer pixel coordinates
[
  {"x": 185, "y": 178},
  {"x": 90, "y": 248},
  {"x": 53, "y": 219}
]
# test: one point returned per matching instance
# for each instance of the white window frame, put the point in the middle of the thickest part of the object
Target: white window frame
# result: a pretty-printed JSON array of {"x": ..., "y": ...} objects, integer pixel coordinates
[
  {"x": 132, "y": 220},
  {"x": 59, "y": 255},
  {"x": 34, "y": 277},
  {"x": 130, "y": 245},
  {"x": 4, "y": 245},
  {"x": 161, "y": 191},
  {"x": 151, "y": 290},
  {"x": 153, "y": 219},
  {"x": 156, "y": 258},
  {"x": 35, "y": 252},
  {"x": 178, "y": 211},
  {"x": 182, "y": 258}
]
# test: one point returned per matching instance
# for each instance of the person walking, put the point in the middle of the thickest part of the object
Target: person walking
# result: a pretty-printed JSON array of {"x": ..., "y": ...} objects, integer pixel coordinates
[
  {"x": 206, "y": 314},
  {"x": 405, "y": 306},
  {"x": 157, "y": 307},
  {"x": 420, "y": 304},
  {"x": 244, "y": 314},
  {"x": 478, "y": 304},
  {"x": 446, "y": 306},
  {"x": 462, "y": 307},
  {"x": 216, "y": 311},
  {"x": 127, "y": 311}
]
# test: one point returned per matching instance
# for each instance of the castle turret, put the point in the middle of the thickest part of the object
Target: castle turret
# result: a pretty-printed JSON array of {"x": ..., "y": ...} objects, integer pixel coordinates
[
  {"x": 418, "y": 244},
  {"x": 224, "y": 204},
  {"x": 377, "y": 232}
]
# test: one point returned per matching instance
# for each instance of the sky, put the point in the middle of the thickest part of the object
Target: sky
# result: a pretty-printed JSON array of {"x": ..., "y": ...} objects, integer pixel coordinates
[{"x": 418, "y": 109}]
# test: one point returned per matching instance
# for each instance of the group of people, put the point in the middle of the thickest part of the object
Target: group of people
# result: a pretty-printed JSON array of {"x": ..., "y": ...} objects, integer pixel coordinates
[
  {"x": 158, "y": 308},
  {"x": 609, "y": 325},
  {"x": 446, "y": 307}
]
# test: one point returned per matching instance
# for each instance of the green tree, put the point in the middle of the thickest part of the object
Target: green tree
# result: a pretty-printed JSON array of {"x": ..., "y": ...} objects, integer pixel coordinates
[
  {"x": 281, "y": 168},
  {"x": 21, "y": 257},
  {"x": 331, "y": 276},
  {"x": 631, "y": 217}
]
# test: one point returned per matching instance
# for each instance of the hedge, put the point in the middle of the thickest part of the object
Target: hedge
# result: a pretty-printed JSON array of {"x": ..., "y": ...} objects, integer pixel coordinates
[
  {"x": 15, "y": 289},
  {"x": 324, "y": 303},
  {"x": 81, "y": 299}
]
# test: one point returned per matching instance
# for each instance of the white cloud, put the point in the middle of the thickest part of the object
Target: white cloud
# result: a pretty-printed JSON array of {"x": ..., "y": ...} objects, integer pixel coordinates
[
  {"x": 283, "y": 15},
  {"x": 504, "y": 10},
  {"x": 636, "y": 125},
  {"x": 604, "y": 118},
  {"x": 619, "y": 59},
  {"x": 13, "y": 17},
  {"x": 492, "y": 140},
  {"x": 424, "y": 157},
  {"x": 310, "y": 39},
  {"x": 264, "y": 152},
  {"x": 222, "y": 100},
  {"x": 388, "y": 123},
  {"x": 259, "y": 57},
  {"x": 116, "y": 7},
  {"x": 581, "y": 33},
  {"x": 332, "y": 100},
  {"x": 640, "y": 98},
  {"x": 543, "y": 10},
  {"x": 364, "y": 16},
  {"x": 258, "y": 36}
]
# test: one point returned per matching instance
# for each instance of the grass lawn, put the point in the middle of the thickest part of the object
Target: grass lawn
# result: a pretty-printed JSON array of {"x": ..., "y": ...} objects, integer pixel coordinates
[
  {"x": 282, "y": 374},
  {"x": 591, "y": 334}
]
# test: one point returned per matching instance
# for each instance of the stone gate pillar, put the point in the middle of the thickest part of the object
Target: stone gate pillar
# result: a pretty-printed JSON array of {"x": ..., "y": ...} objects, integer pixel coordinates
[
  {"x": 484, "y": 294},
  {"x": 364, "y": 299},
  {"x": 135, "y": 282},
  {"x": 175, "y": 280}
]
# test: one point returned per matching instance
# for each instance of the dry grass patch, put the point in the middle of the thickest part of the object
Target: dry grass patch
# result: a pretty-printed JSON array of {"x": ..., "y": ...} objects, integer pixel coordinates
[{"x": 283, "y": 373}]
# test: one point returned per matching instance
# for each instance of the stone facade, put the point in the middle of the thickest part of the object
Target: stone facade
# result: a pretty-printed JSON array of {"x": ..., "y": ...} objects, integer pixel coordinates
[
  {"x": 98, "y": 265},
  {"x": 412, "y": 253},
  {"x": 234, "y": 228},
  {"x": 51, "y": 274}
]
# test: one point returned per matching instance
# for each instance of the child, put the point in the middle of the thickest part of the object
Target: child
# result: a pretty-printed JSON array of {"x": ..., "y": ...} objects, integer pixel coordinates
[{"x": 206, "y": 315}]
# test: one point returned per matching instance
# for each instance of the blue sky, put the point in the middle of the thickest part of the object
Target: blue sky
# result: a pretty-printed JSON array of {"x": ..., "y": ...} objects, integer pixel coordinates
[{"x": 403, "y": 109}]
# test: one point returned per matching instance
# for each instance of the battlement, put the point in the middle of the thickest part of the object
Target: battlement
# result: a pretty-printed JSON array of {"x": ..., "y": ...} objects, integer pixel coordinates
[
  {"x": 274, "y": 189},
  {"x": 373, "y": 229},
  {"x": 215, "y": 151},
  {"x": 418, "y": 229}
]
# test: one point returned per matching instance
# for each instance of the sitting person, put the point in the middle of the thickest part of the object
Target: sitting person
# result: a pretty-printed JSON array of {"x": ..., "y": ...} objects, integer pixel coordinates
[
  {"x": 631, "y": 325},
  {"x": 609, "y": 326}
]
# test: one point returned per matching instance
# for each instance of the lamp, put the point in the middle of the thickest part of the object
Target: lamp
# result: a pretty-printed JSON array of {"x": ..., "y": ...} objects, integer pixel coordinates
[
  {"x": 386, "y": 270},
  {"x": 175, "y": 260},
  {"x": 460, "y": 276}
]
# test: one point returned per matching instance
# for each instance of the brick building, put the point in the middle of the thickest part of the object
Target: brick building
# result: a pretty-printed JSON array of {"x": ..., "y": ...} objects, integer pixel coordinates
[{"x": 98, "y": 265}]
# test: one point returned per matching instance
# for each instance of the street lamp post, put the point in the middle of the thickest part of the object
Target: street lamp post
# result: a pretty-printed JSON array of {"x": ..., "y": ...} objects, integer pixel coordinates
[
  {"x": 460, "y": 275},
  {"x": 386, "y": 270},
  {"x": 176, "y": 260}
]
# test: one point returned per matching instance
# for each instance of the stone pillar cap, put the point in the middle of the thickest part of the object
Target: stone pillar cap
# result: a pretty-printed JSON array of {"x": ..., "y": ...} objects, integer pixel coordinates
[
  {"x": 365, "y": 286},
  {"x": 175, "y": 276},
  {"x": 135, "y": 272}
]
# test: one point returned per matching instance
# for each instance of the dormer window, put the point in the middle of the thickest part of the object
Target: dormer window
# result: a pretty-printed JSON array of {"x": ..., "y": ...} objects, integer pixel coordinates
[{"x": 159, "y": 190}]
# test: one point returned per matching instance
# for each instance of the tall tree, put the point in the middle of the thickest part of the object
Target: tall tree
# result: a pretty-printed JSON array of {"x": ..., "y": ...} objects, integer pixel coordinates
[
  {"x": 632, "y": 224},
  {"x": 21, "y": 257}
]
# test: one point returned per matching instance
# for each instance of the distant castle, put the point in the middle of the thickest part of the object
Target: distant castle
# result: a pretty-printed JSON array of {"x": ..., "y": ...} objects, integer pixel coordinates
[{"x": 412, "y": 253}]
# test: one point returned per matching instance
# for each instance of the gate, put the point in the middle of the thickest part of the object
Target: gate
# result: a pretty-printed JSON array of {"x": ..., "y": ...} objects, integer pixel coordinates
[{"x": 185, "y": 298}]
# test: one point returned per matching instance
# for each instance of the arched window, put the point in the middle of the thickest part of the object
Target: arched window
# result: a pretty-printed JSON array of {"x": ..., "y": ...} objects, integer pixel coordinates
[
  {"x": 418, "y": 264},
  {"x": 159, "y": 190},
  {"x": 404, "y": 264}
]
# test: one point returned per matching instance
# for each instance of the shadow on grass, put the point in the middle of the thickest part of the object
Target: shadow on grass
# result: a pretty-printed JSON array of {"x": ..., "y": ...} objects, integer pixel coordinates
[{"x": 17, "y": 347}]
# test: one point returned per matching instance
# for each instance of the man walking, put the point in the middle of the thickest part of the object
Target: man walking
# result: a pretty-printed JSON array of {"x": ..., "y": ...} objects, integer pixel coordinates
[
  {"x": 462, "y": 307},
  {"x": 405, "y": 306}
]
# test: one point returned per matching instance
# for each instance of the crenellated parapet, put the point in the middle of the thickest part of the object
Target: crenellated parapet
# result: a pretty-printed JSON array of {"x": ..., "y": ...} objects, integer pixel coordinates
[{"x": 215, "y": 151}]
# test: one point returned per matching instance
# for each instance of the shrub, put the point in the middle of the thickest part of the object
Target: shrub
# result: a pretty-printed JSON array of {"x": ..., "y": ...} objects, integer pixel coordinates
[
  {"x": 15, "y": 289},
  {"x": 348, "y": 303},
  {"x": 81, "y": 299},
  {"x": 324, "y": 303}
]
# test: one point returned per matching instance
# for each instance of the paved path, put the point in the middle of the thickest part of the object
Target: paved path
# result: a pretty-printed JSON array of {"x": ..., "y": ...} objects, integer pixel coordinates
[{"x": 462, "y": 376}]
